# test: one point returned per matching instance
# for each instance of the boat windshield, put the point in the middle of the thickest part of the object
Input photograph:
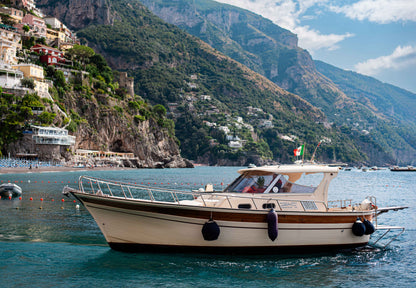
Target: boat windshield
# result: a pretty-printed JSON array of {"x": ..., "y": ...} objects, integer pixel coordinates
[{"x": 270, "y": 183}]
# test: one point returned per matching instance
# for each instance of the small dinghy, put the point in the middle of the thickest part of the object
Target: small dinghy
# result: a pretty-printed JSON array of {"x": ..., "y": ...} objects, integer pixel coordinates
[{"x": 10, "y": 190}]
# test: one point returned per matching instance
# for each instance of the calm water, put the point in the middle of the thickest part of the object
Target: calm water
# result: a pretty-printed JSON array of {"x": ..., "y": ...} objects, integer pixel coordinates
[{"x": 50, "y": 243}]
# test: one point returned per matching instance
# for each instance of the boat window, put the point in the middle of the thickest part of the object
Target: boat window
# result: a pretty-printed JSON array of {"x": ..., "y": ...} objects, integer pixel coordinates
[
  {"x": 268, "y": 183},
  {"x": 244, "y": 206},
  {"x": 252, "y": 183}
]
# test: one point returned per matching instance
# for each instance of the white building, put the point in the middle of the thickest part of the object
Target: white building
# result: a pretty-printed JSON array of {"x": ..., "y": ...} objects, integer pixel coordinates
[
  {"x": 239, "y": 119},
  {"x": 9, "y": 78},
  {"x": 54, "y": 22},
  {"x": 232, "y": 138},
  {"x": 235, "y": 144},
  {"x": 225, "y": 129},
  {"x": 266, "y": 123},
  {"x": 52, "y": 136}
]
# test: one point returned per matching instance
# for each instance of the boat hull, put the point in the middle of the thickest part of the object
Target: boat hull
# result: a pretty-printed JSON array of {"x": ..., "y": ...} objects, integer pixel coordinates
[
  {"x": 10, "y": 190},
  {"x": 140, "y": 225}
]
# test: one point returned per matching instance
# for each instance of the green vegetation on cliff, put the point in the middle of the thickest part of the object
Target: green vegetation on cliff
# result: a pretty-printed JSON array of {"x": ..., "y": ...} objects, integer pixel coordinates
[{"x": 88, "y": 102}]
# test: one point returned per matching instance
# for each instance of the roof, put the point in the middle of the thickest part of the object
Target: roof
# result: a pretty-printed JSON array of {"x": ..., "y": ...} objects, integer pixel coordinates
[
  {"x": 40, "y": 46},
  {"x": 289, "y": 169},
  {"x": 49, "y": 128}
]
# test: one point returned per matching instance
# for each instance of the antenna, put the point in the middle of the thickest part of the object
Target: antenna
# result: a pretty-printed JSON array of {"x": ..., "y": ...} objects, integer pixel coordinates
[{"x": 314, "y": 152}]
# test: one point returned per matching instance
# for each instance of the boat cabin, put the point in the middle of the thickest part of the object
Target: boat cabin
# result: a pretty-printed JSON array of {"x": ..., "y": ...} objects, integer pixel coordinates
[
  {"x": 270, "y": 183},
  {"x": 285, "y": 181}
]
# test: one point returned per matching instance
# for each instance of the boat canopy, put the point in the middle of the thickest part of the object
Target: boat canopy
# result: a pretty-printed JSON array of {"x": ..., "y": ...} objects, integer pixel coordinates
[
  {"x": 281, "y": 179},
  {"x": 294, "y": 172}
]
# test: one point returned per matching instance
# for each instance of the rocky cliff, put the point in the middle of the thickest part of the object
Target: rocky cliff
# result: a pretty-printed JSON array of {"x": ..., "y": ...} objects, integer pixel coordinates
[
  {"x": 105, "y": 128},
  {"x": 110, "y": 129},
  {"x": 78, "y": 13}
]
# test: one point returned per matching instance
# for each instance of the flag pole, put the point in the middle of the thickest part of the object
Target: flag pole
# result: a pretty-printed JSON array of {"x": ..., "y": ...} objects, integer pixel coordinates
[{"x": 303, "y": 154}]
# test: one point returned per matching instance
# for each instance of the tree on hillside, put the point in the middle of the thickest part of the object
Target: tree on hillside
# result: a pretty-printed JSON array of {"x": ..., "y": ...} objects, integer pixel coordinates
[
  {"x": 26, "y": 28},
  {"x": 28, "y": 83},
  {"x": 81, "y": 52}
]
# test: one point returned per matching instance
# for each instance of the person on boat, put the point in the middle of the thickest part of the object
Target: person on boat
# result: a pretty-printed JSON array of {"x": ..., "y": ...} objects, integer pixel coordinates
[{"x": 287, "y": 187}]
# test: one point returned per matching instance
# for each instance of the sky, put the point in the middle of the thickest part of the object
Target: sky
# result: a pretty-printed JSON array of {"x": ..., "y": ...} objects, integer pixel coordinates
[{"x": 372, "y": 37}]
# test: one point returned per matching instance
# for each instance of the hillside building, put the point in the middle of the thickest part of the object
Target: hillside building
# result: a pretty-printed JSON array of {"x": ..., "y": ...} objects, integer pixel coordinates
[
  {"x": 30, "y": 70},
  {"x": 52, "y": 35},
  {"x": 35, "y": 72},
  {"x": 52, "y": 135},
  {"x": 9, "y": 77},
  {"x": 235, "y": 144},
  {"x": 49, "y": 55},
  {"x": 127, "y": 83},
  {"x": 15, "y": 14},
  {"x": 27, "y": 4},
  {"x": 36, "y": 24},
  {"x": 9, "y": 44}
]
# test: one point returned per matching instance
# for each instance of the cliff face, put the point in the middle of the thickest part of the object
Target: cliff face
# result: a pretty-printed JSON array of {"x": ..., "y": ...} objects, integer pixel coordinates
[
  {"x": 77, "y": 14},
  {"x": 105, "y": 128},
  {"x": 110, "y": 129}
]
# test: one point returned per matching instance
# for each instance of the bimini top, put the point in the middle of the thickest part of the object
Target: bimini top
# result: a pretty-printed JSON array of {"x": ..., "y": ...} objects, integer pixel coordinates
[
  {"x": 282, "y": 179},
  {"x": 290, "y": 169}
]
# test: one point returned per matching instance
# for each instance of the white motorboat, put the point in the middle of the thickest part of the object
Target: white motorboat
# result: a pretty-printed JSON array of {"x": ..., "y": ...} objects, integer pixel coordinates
[
  {"x": 10, "y": 190},
  {"x": 265, "y": 210}
]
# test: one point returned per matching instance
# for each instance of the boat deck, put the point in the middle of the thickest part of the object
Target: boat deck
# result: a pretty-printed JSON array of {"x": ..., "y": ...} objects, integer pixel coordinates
[{"x": 276, "y": 201}]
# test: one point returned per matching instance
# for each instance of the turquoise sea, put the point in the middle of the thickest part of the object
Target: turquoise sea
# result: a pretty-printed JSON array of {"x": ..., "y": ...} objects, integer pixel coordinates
[{"x": 51, "y": 243}]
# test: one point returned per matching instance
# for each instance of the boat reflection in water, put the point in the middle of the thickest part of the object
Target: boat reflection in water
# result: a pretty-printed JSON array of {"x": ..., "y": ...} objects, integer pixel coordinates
[{"x": 270, "y": 209}]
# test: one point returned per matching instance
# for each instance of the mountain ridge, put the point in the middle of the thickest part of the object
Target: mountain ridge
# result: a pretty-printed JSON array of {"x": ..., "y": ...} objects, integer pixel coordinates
[
  {"x": 160, "y": 77},
  {"x": 296, "y": 70}
]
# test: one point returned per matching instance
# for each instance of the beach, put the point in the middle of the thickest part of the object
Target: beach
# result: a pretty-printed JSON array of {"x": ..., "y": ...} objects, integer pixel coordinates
[{"x": 41, "y": 169}]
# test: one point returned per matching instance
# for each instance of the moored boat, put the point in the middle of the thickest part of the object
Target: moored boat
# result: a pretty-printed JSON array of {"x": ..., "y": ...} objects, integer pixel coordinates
[
  {"x": 10, "y": 190},
  {"x": 403, "y": 169},
  {"x": 270, "y": 209}
]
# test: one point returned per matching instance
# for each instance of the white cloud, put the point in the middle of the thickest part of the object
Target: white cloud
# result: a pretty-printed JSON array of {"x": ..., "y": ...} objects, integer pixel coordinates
[
  {"x": 379, "y": 11},
  {"x": 288, "y": 14},
  {"x": 401, "y": 58},
  {"x": 313, "y": 40}
]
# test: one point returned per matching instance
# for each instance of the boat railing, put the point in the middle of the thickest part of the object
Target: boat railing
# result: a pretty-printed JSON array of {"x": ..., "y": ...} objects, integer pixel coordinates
[{"x": 109, "y": 188}]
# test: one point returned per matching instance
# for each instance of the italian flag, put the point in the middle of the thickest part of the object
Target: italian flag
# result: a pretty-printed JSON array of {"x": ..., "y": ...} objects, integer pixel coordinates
[{"x": 299, "y": 151}]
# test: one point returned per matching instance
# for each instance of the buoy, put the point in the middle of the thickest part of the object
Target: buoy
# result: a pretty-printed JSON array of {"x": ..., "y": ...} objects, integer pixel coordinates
[
  {"x": 31, "y": 199},
  {"x": 210, "y": 230},
  {"x": 10, "y": 197},
  {"x": 358, "y": 228},
  {"x": 77, "y": 207},
  {"x": 369, "y": 227},
  {"x": 272, "y": 222}
]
